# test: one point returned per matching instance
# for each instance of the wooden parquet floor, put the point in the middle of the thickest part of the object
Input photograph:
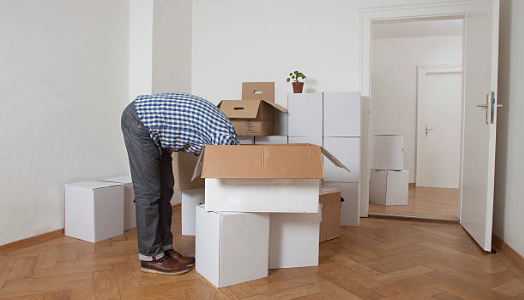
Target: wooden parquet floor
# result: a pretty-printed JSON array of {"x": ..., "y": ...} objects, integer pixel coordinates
[
  {"x": 381, "y": 259},
  {"x": 436, "y": 203}
]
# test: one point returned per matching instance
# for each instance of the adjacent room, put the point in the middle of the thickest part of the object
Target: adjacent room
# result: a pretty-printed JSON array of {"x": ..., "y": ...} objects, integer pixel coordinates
[{"x": 200, "y": 149}]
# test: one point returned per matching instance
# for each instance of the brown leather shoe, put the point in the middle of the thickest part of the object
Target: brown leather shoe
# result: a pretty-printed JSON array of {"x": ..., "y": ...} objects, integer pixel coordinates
[
  {"x": 186, "y": 260},
  {"x": 165, "y": 265}
]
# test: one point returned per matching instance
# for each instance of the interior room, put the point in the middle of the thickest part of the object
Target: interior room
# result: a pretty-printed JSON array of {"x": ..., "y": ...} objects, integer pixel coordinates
[{"x": 200, "y": 149}]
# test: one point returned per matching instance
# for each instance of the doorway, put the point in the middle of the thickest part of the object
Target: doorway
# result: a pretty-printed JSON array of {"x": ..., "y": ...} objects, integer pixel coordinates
[{"x": 416, "y": 87}]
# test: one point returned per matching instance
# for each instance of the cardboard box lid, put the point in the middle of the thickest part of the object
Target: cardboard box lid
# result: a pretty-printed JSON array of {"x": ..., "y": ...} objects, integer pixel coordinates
[
  {"x": 245, "y": 109},
  {"x": 258, "y": 91}
]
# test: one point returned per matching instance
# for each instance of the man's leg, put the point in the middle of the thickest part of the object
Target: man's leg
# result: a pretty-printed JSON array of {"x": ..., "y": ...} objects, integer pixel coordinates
[{"x": 165, "y": 209}]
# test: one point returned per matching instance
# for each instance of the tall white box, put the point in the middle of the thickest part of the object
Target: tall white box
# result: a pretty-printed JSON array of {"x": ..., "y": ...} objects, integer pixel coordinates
[
  {"x": 350, "y": 208},
  {"x": 389, "y": 187},
  {"x": 305, "y": 117},
  {"x": 129, "y": 200},
  {"x": 94, "y": 210},
  {"x": 388, "y": 152},
  {"x": 347, "y": 150},
  {"x": 246, "y": 140},
  {"x": 231, "y": 248},
  {"x": 342, "y": 114},
  {"x": 306, "y": 139},
  {"x": 293, "y": 240},
  {"x": 190, "y": 200},
  {"x": 271, "y": 139}
]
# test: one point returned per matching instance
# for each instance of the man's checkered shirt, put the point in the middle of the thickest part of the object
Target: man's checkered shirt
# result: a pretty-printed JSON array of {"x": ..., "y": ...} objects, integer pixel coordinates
[{"x": 184, "y": 122}]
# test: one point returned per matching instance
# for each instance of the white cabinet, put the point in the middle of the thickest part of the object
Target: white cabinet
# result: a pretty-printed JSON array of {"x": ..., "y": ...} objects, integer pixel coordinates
[
  {"x": 342, "y": 114},
  {"x": 305, "y": 114},
  {"x": 347, "y": 150},
  {"x": 271, "y": 139},
  {"x": 305, "y": 139}
]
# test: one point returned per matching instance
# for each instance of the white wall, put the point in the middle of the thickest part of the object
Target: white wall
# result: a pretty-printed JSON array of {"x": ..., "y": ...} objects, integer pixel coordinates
[
  {"x": 140, "y": 48},
  {"x": 394, "y": 84},
  {"x": 63, "y": 85},
  {"x": 509, "y": 190}
]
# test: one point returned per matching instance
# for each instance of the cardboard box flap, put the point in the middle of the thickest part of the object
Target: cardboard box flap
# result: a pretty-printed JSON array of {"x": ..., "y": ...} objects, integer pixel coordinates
[
  {"x": 276, "y": 106},
  {"x": 240, "y": 109},
  {"x": 258, "y": 91},
  {"x": 333, "y": 159},
  {"x": 298, "y": 161}
]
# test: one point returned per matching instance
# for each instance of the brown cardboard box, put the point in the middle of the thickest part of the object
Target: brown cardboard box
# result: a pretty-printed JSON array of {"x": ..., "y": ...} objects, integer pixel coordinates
[
  {"x": 329, "y": 197},
  {"x": 258, "y": 91},
  {"x": 183, "y": 165},
  {"x": 251, "y": 117}
]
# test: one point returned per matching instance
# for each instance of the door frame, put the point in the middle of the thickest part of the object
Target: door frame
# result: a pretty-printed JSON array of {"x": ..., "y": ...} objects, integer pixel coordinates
[
  {"x": 388, "y": 13},
  {"x": 422, "y": 72}
]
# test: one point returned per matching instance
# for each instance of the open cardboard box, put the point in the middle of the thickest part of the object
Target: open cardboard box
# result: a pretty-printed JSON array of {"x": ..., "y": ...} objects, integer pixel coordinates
[
  {"x": 183, "y": 166},
  {"x": 263, "y": 178}
]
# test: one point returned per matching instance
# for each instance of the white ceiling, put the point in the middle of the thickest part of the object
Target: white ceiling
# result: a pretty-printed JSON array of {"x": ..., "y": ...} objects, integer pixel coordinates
[{"x": 417, "y": 28}]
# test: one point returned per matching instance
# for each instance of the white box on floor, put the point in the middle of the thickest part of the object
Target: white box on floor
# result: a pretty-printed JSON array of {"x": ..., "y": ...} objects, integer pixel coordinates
[
  {"x": 388, "y": 152},
  {"x": 389, "y": 187},
  {"x": 271, "y": 139},
  {"x": 94, "y": 210},
  {"x": 129, "y": 200},
  {"x": 304, "y": 113},
  {"x": 314, "y": 140},
  {"x": 293, "y": 240},
  {"x": 347, "y": 150},
  {"x": 231, "y": 248},
  {"x": 342, "y": 114},
  {"x": 190, "y": 200},
  {"x": 350, "y": 208},
  {"x": 246, "y": 140}
]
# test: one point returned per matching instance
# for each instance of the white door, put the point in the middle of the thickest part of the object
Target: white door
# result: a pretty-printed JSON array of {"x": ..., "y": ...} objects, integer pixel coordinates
[
  {"x": 480, "y": 89},
  {"x": 439, "y": 126}
]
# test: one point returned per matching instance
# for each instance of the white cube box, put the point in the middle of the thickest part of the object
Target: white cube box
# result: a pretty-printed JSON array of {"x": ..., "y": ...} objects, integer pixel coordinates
[
  {"x": 246, "y": 140},
  {"x": 231, "y": 248},
  {"x": 388, "y": 152},
  {"x": 293, "y": 240},
  {"x": 271, "y": 139},
  {"x": 262, "y": 195},
  {"x": 190, "y": 200},
  {"x": 314, "y": 140},
  {"x": 94, "y": 210},
  {"x": 305, "y": 117},
  {"x": 350, "y": 208},
  {"x": 347, "y": 150},
  {"x": 389, "y": 187},
  {"x": 129, "y": 200},
  {"x": 342, "y": 114}
]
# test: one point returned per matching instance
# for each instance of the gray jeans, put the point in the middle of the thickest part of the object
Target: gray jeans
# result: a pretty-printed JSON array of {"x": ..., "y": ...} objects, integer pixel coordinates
[{"x": 152, "y": 177}]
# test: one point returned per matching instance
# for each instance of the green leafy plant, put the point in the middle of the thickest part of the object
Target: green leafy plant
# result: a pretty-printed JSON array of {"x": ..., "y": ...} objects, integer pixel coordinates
[{"x": 295, "y": 76}]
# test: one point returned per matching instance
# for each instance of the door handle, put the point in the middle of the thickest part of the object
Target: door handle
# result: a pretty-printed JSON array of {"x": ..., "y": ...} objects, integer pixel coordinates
[{"x": 489, "y": 106}]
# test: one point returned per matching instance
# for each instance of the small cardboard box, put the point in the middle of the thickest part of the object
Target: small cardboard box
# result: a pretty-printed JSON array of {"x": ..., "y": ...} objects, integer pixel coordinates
[
  {"x": 231, "y": 248},
  {"x": 258, "y": 91},
  {"x": 388, "y": 187},
  {"x": 190, "y": 200},
  {"x": 129, "y": 200},
  {"x": 94, "y": 210},
  {"x": 263, "y": 178},
  {"x": 329, "y": 197},
  {"x": 251, "y": 117},
  {"x": 293, "y": 240},
  {"x": 183, "y": 165}
]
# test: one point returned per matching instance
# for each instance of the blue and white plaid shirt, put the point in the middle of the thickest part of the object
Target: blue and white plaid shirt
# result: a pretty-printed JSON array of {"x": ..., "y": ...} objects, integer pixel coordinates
[{"x": 184, "y": 122}]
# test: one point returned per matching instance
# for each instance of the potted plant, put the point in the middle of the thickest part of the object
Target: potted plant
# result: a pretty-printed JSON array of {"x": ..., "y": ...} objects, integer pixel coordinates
[{"x": 297, "y": 85}]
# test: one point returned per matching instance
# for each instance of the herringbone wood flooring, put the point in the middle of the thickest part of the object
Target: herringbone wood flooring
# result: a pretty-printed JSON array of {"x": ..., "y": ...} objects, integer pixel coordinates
[{"x": 381, "y": 259}]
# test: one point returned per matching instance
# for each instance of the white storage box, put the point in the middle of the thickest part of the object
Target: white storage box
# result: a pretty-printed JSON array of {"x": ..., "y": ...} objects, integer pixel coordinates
[
  {"x": 271, "y": 139},
  {"x": 388, "y": 152},
  {"x": 246, "y": 140},
  {"x": 129, "y": 200},
  {"x": 389, "y": 187},
  {"x": 350, "y": 208},
  {"x": 293, "y": 240},
  {"x": 94, "y": 210},
  {"x": 190, "y": 200},
  {"x": 305, "y": 116},
  {"x": 342, "y": 114},
  {"x": 231, "y": 248},
  {"x": 306, "y": 139},
  {"x": 347, "y": 150}
]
